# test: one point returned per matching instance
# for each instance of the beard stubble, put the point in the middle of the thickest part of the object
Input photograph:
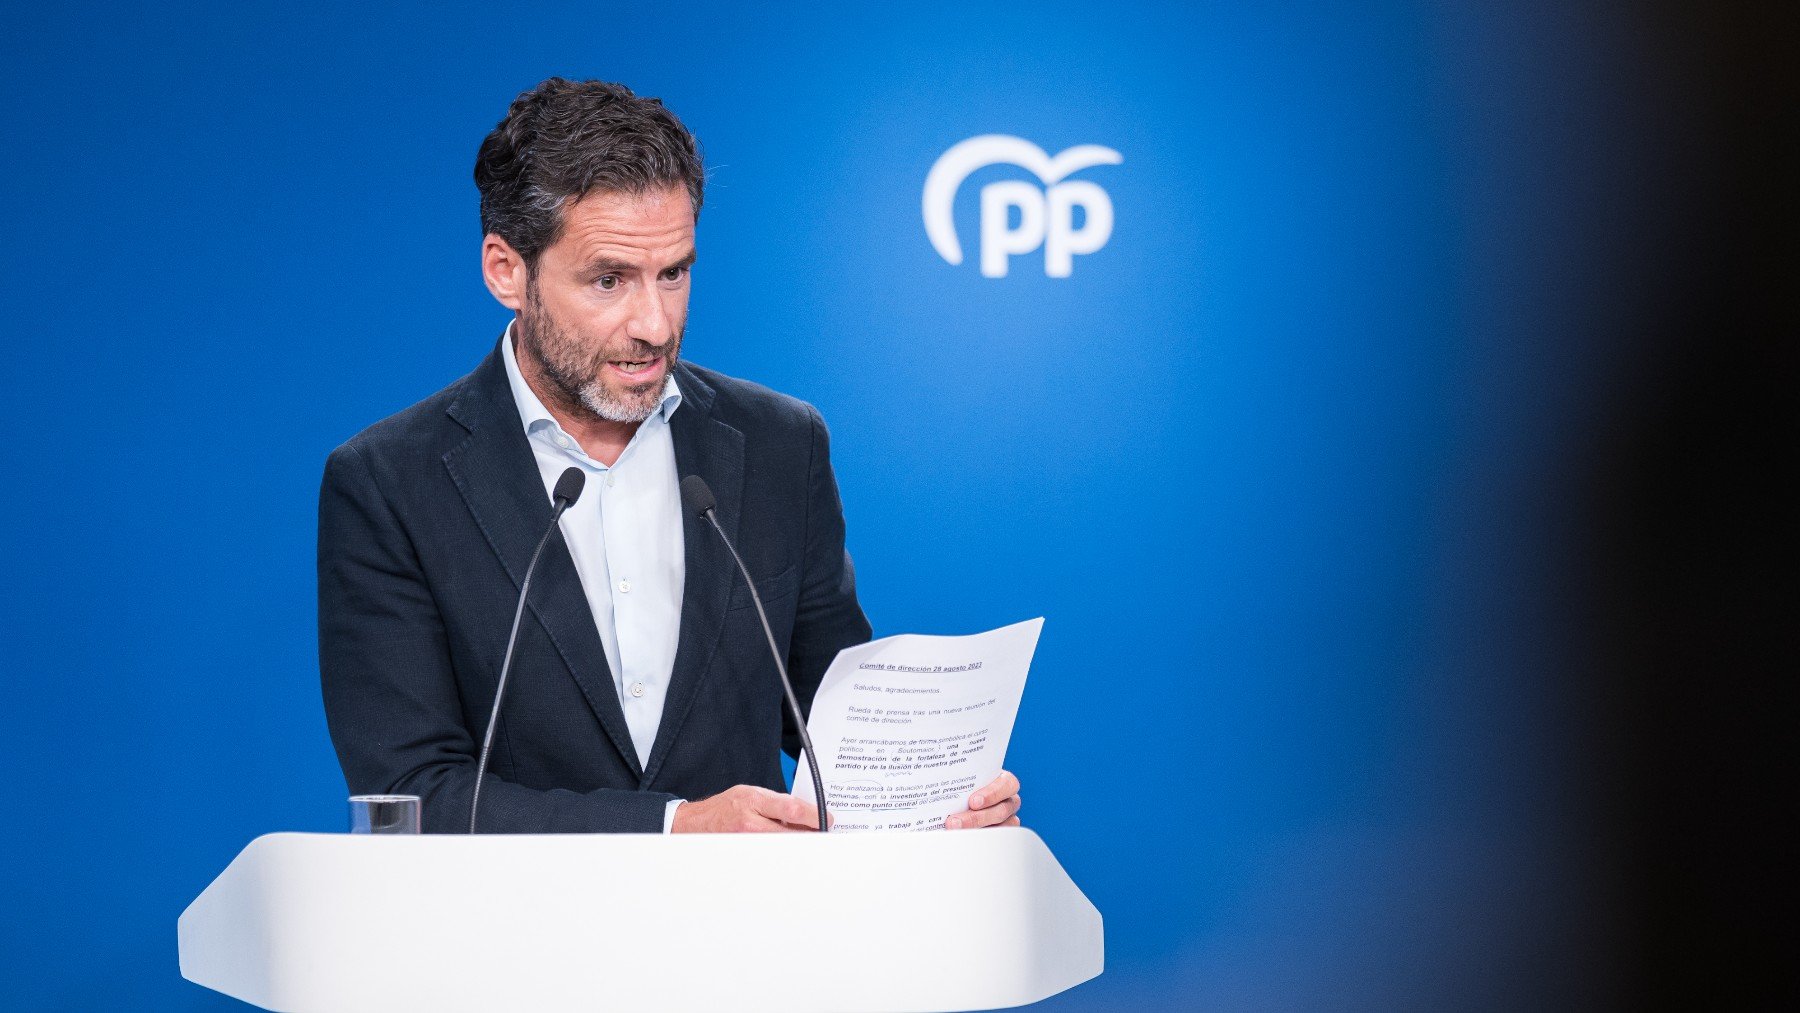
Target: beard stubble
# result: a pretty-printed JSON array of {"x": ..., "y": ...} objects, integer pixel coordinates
[{"x": 577, "y": 375}]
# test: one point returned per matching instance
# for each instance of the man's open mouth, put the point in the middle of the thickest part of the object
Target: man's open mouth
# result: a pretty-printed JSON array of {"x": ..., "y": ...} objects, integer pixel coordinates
[{"x": 638, "y": 369}]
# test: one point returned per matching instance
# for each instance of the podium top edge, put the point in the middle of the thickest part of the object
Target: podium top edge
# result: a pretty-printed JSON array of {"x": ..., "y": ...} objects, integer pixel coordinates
[{"x": 961, "y": 838}]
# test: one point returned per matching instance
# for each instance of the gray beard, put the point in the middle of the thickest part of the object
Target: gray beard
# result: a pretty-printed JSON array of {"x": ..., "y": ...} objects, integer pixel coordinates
[
  {"x": 630, "y": 410},
  {"x": 539, "y": 335}
]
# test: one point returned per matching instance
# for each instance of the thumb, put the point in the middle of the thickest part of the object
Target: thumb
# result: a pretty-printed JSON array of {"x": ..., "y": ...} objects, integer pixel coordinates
[{"x": 790, "y": 809}]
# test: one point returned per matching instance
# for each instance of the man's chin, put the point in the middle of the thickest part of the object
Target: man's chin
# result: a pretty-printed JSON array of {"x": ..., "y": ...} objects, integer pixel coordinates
[{"x": 628, "y": 405}]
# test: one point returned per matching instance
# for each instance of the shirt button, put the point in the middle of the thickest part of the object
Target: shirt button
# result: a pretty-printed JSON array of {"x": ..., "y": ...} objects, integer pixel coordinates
[
  {"x": 624, "y": 587},
  {"x": 637, "y": 689},
  {"x": 562, "y": 441},
  {"x": 609, "y": 480}
]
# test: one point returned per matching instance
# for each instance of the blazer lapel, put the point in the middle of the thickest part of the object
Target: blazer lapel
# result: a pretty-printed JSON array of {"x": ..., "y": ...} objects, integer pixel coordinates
[
  {"x": 497, "y": 474},
  {"x": 710, "y": 448}
]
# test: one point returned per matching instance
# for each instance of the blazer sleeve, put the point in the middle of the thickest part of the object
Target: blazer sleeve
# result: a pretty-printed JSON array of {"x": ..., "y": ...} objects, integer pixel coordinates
[
  {"x": 390, "y": 688},
  {"x": 828, "y": 617}
]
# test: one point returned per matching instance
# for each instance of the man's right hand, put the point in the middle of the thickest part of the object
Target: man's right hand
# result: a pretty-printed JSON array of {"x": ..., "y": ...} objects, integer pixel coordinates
[{"x": 745, "y": 809}]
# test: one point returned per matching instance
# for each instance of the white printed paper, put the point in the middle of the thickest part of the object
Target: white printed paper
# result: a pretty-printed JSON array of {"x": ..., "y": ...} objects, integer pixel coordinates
[{"x": 906, "y": 728}]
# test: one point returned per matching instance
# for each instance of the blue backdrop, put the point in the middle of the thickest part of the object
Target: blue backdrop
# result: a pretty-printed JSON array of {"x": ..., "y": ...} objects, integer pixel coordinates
[{"x": 1280, "y": 463}]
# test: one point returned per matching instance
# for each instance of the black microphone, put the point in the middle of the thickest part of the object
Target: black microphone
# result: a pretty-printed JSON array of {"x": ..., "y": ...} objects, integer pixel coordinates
[
  {"x": 697, "y": 499},
  {"x": 568, "y": 490}
]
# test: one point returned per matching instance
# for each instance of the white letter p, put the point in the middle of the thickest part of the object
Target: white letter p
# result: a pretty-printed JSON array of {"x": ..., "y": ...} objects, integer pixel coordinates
[
  {"x": 1063, "y": 241},
  {"x": 997, "y": 241}
]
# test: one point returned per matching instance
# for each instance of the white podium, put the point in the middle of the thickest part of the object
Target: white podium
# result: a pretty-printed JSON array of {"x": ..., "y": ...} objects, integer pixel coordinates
[{"x": 962, "y": 920}]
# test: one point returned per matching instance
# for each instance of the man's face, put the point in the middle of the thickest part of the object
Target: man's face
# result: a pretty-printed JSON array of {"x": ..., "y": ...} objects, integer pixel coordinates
[{"x": 606, "y": 303}]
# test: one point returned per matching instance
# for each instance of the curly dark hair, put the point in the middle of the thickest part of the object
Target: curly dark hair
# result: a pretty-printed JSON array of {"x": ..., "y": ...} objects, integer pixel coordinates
[{"x": 565, "y": 139}]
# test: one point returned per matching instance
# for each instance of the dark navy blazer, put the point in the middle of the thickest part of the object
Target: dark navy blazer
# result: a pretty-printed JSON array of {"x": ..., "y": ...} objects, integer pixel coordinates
[{"x": 426, "y": 523}]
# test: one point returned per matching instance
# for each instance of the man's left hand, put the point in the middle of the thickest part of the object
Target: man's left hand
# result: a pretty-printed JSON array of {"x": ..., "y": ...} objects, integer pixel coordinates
[{"x": 996, "y": 805}]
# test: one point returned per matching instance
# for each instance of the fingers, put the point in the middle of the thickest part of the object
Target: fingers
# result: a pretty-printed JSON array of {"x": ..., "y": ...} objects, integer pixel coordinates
[
  {"x": 1003, "y": 787},
  {"x": 792, "y": 811},
  {"x": 746, "y": 809},
  {"x": 1002, "y": 813},
  {"x": 999, "y": 813},
  {"x": 768, "y": 811},
  {"x": 997, "y": 804}
]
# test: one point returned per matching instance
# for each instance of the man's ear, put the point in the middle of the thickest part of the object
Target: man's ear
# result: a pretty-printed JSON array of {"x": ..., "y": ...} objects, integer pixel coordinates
[{"x": 504, "y": 271}]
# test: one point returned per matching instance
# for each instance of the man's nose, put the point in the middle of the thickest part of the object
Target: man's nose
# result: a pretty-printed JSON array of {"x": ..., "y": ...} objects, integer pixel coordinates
[{"x": 649, "y": 320}]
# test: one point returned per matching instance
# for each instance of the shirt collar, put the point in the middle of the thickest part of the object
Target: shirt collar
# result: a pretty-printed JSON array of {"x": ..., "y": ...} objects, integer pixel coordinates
[{"x": 532, "y": 411}]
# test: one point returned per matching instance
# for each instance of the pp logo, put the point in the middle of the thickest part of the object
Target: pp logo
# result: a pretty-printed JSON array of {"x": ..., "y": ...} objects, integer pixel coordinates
[{"x": 1046, "y": 216}]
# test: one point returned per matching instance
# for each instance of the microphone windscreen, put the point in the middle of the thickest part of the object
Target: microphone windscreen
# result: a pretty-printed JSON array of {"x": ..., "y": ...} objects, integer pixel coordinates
[
  {"x": 568, "y": 487},
  {"x": 696, "y": 498}
]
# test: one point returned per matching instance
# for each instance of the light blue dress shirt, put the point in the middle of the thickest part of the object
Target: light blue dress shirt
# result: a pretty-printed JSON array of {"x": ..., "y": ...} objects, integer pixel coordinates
[{"x": 625, "y": 537}]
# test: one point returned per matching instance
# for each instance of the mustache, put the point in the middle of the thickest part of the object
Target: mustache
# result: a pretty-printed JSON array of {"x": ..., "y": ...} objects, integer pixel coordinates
[{"x": 636, "y": 351}]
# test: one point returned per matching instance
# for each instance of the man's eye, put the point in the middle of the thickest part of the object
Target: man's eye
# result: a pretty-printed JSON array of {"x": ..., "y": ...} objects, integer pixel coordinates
[
  {"x": 674, "y": 273},
  {"x": 608, "y": 282}
]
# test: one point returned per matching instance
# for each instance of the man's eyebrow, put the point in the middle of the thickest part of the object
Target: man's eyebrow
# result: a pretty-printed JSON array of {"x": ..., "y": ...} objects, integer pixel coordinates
[{"x": 604, "y": 266}]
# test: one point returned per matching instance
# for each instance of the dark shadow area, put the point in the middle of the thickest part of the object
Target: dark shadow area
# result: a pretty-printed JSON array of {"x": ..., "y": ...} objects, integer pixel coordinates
[{"x": 1691, "y": 651}]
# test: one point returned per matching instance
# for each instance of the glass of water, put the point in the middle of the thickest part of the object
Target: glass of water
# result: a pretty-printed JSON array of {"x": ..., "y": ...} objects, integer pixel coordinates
[{"x": 384, "y": 814}]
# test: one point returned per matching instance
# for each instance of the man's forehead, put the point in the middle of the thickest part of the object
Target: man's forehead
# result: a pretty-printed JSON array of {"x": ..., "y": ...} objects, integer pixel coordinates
[
  {"x": 614, "y": 230},
  {"x": 650, "y": 214}
]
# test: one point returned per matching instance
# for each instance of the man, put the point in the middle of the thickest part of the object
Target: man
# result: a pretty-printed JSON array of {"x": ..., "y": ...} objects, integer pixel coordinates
[{"x": 642, "y": 695}]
